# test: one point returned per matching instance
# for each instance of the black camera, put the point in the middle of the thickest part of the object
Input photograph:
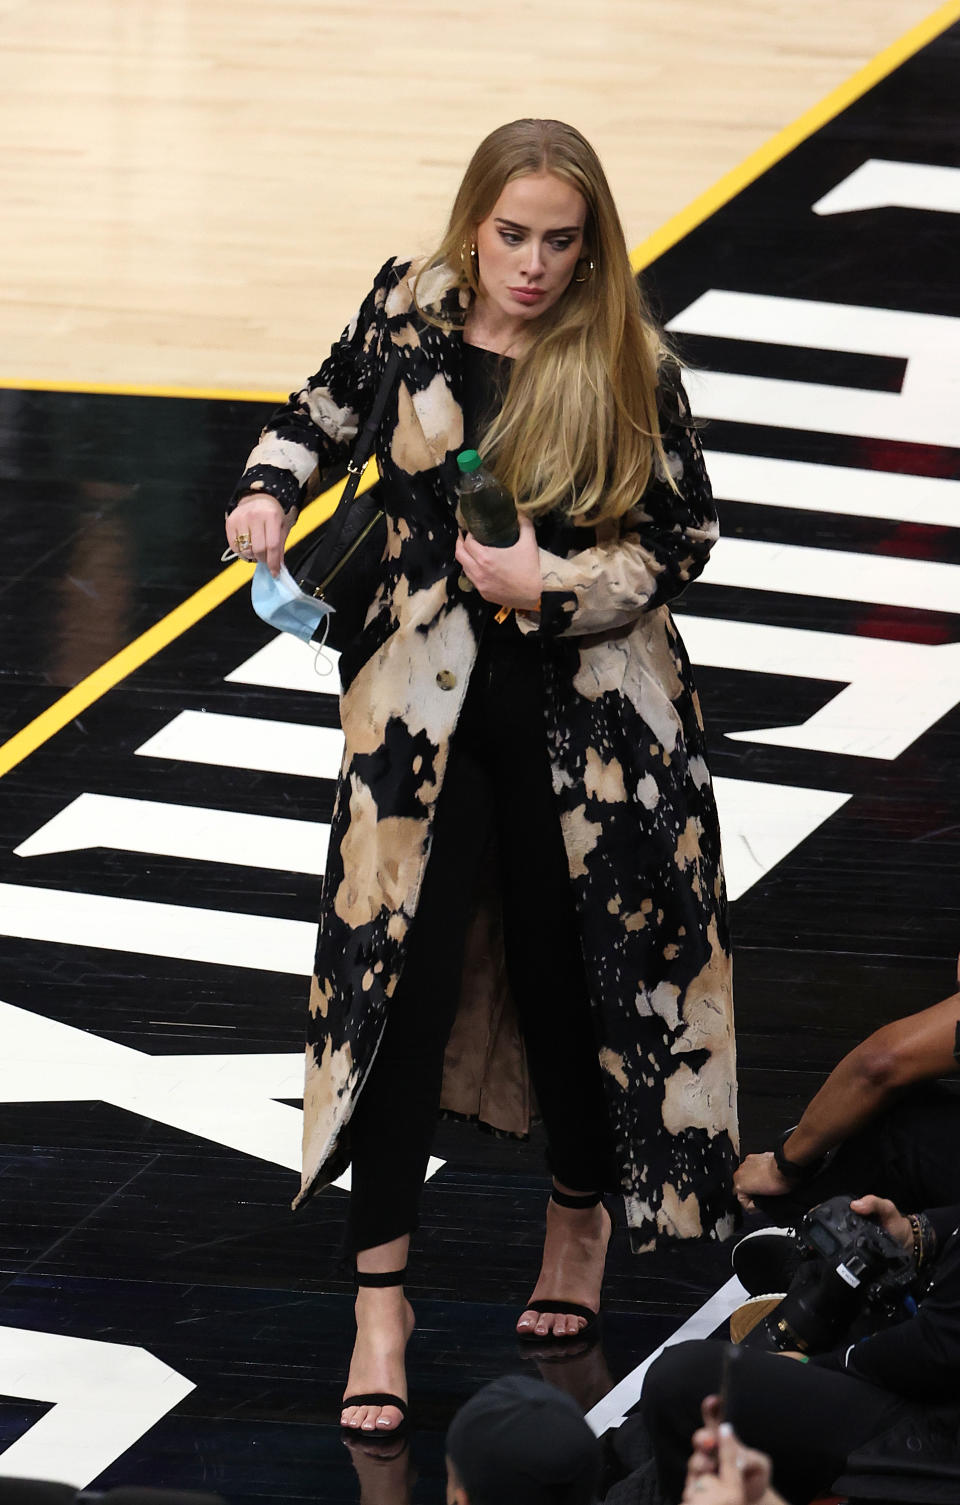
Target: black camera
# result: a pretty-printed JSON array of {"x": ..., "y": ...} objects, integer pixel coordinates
[{"x": 849, "y": 1267}]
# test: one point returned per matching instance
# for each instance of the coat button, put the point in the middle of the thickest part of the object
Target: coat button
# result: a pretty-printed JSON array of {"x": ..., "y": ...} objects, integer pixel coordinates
[
  {"x": 465, "y": 584},
  {"x": 446, "y": 679}
]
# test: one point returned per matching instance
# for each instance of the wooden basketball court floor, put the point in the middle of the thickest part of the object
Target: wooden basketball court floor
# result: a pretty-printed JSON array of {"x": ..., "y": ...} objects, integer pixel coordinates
[{"x": 194, "y": 199}]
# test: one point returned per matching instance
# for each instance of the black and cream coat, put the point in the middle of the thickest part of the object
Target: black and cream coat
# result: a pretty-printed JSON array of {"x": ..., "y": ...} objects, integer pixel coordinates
[{"x": 626, "y": 745}]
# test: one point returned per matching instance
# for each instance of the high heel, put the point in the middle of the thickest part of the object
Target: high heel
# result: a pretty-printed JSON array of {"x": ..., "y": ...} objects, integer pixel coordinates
[
  {"x": 561, "y": 1307},
  {"x": 377, "y": 1280}
]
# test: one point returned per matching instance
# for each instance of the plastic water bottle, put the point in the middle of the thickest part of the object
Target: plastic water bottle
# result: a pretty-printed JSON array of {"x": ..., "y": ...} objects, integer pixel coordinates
[{"x": 487, "y": 510}]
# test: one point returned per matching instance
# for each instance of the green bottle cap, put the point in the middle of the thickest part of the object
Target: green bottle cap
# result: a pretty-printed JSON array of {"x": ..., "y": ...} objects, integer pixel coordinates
[{"x": 468, "y": 461}]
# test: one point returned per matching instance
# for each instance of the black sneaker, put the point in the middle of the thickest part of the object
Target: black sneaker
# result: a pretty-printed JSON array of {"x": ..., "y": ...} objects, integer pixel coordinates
[{"x": 766, "y": 1260}]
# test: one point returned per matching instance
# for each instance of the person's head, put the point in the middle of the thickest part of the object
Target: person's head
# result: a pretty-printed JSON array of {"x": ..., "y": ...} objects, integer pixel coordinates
[
  {"x": 525, "y": 254},
  {"x": 534, "y": 231},
  {"x": 521, "y": 1441},
  {"x": 548, "y": 174}
]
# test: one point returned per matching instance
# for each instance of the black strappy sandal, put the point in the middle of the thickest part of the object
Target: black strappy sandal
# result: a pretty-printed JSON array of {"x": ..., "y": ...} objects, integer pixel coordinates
[
  {"x": 377, "y": 1397},
  {"x": 561, "y": 1308}
]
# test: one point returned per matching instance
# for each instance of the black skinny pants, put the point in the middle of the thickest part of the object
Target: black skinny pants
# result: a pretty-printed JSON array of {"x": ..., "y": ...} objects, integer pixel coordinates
[
  {"x": 807, "y": 1419},
  {"x": 497, "y": 778}
]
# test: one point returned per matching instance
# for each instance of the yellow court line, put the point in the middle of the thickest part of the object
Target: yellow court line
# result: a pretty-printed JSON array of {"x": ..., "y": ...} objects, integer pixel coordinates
[
  {"x": 164, "y": 632},
  {"x": 792, "y": 135},
  {"x": 113, "y": 389},
  {"x": 219, "y": 589}
]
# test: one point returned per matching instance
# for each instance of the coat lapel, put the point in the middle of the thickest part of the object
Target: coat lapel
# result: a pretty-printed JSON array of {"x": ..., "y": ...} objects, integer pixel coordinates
[{"x": 432, "y": 358}]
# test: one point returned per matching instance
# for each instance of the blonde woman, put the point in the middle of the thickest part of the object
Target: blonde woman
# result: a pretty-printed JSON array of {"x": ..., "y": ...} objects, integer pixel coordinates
[{"x": 523, "y": 909}]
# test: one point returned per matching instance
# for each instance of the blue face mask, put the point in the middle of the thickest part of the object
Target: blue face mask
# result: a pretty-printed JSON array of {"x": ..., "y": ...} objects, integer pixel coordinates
[{"x": 281, "y": 603}]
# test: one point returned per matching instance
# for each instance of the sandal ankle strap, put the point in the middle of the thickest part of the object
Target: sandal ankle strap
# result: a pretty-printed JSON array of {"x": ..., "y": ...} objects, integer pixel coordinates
[
  {"x": 380, "y": 1278},
  {"x": 584, "y": 1199}
]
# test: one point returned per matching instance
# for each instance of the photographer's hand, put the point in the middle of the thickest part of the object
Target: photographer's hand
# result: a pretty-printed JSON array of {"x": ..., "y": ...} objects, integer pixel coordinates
[{"x": 891, "y": 1220}]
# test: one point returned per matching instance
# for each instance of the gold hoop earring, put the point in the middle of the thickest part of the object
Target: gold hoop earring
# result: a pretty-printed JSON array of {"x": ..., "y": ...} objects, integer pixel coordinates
[
  {"x": 471, "y": 272},
  {"x": 587, "y": 267}
]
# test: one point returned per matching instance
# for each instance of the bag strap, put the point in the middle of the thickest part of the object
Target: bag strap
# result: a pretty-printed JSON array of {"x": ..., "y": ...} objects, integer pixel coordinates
[{"x": 359, "y": 460}]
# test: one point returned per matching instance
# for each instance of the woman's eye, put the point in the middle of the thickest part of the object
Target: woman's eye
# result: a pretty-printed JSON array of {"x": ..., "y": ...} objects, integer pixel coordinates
[
  {"x": 562, "y": 245},
  {"x": 511, "y": 237}
]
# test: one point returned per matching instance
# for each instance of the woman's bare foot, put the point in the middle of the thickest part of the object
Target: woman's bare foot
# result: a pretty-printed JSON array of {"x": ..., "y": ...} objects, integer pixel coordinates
[
  {"x": 385, "y": 1322},
  {"x": 574, "y": 1254}
]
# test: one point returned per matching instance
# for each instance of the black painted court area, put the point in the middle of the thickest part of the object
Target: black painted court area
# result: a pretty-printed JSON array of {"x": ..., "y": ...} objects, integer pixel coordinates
[{"x": 121, "y": 1229}]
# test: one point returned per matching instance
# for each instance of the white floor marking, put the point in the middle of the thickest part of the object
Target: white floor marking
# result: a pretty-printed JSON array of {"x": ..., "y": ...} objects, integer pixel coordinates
[
  {"x": 217, "y": 936},
  {"x": 927, "y": 341},
  {"x": 799, "y": 571},
  {"x": 819, "y": 408},
  {"x": 878, "y": 717},
  {"x": 106, "y": 1395},
  {"x": 227, "y": 1099},
  {"x": 761, "y": 823},
  {"x": 896, "y": 691},
  {"x": 612, "y": 1409},
  {"x": 199, "y": 834},
  {"x": 879, "y": 184},
  {"x": 807, "y": 487},
  {"x": 923, "y": 411},
  {"x": 285, "y": 663},
  {"x": 761, "y": 648},
  {"x": 290, "y": 747}
]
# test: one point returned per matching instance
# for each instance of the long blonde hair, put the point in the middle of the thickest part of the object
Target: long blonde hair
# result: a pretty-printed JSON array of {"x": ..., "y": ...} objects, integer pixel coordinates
[{"x": 579, "y": 427}]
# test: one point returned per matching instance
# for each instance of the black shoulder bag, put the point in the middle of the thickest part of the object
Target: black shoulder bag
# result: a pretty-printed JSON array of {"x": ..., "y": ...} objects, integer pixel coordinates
[{"x": 342, "y": 565}]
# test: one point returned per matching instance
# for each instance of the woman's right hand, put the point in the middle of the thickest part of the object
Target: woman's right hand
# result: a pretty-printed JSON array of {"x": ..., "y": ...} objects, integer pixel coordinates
[{"x": 257, "y": 528}]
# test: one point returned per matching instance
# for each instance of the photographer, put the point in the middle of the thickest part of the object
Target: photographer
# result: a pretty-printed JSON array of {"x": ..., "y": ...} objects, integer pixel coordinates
[
  {"x": 810, "y": 1413},
  {"x": 879, "y": 1119}
]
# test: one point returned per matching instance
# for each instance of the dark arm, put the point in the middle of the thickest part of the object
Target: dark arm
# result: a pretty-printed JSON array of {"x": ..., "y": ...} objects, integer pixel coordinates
[{"x": 917, "y": 1048}]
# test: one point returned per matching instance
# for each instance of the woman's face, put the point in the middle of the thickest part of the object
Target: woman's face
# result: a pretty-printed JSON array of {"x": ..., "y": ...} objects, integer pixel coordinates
[{"x": 528, "y": 247}]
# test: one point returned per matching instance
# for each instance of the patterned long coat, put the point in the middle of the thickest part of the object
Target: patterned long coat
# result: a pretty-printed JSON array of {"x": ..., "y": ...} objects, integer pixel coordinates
[{"x": 625, "y": 741}]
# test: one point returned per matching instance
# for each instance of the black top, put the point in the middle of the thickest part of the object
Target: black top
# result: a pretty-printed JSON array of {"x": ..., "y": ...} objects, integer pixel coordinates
[{"x": 485, "y": 376}]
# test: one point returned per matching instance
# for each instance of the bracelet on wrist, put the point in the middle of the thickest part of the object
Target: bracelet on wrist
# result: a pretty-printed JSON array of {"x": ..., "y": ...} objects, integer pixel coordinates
[
  {"x": 923, "y": 1236},
  {"x": 789, "y": 1169}
]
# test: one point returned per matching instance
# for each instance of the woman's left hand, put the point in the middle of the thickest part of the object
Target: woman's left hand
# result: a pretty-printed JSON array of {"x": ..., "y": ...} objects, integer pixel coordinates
[{"x": 509, "y": 577}]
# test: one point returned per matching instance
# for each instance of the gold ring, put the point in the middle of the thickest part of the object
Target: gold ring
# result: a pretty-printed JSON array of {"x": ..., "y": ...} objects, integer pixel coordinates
[{"x": 243, "y": 541}]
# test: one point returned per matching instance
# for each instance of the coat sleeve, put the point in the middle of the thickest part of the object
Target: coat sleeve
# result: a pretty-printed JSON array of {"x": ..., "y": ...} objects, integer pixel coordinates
[
  {"x": 316, "y": 428},
  {"x": 657, "y": 548}
]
